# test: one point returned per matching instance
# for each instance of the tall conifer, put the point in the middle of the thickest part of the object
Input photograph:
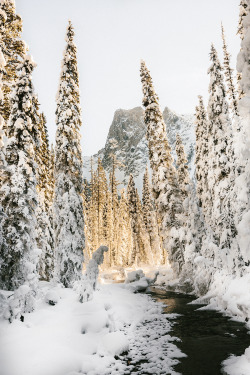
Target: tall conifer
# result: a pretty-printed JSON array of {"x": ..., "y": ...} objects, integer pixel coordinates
[
  {"x": 229, "y": 76},
  {"x": 13, "y": 49},
  {"x": 221, "y": 166},
  {"x": 164, "y": 177},
  {"x": 19, "y": 196},
  {"x": 150, "y": 220},
  {"x": 68, "y": 204}
]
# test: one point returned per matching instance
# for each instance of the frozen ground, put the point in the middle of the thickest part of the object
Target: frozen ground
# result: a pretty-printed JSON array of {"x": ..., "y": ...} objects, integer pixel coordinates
[{"x": 69, "y": 338}]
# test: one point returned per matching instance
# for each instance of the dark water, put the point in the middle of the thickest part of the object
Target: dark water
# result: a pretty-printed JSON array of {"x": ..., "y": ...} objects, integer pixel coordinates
[{"x": 207, "y": 337}]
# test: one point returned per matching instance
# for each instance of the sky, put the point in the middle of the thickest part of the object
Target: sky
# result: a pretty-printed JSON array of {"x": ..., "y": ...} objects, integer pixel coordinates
[{"x": 112, "y": 36}]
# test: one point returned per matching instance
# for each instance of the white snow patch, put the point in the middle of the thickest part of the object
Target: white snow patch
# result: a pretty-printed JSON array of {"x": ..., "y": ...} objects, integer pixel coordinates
[
  {"x": 238, "y": 365},
  {"x": 70, "y": 337}
]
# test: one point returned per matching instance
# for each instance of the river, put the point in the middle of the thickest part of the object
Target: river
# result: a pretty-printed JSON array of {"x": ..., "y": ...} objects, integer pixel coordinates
[{"x": 207, "y": 336}]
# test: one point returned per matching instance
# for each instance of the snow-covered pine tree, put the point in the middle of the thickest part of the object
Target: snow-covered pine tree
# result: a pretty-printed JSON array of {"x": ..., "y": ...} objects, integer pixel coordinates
[
  {"x": 243, "y": 180},
  {"x": 201, "y": 155},
  {"x": 2, "y": 122},
  {"x": 68, "y": 204},
  {"x": 150, "y": 220},
  {"x": 96, "y": 208},
  {"x": 51, "y": 177},
  {"x": 124, "y": 233},
  {"x": 2, "y": 133},
  {"x": 101, "y": 196},
  {"x": 92, "y": 216},
  {"x": 19, "y": 196},
  {"x": 243, "y": 12},
  {"x": 182, "y": 167},
  {"x": 164, "y": 177},
  {"x": 145, "y": 255},
  {"x": 221, "y": 165},
  {"x": 141, "y": 251},
  {"x": 2, "y": 169},
  {"x": 113, "y": 185},
  {"x": 229, "y": 76},
  {"x": 132, "y": 206},
  {"x": 45, "y": 235},
  {"x": 184, "y": 186},
  {"x": 13, "y": 49}
]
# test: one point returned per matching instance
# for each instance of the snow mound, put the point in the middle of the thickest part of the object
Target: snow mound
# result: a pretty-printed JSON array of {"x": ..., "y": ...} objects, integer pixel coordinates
[
  {"x": 134, "y": 276},
  {"x": 113, "y": 343},
  {"x": 52, "y": 298},
  {"x": 237, "y": 365},
  {"x": 136, "y": 281}
]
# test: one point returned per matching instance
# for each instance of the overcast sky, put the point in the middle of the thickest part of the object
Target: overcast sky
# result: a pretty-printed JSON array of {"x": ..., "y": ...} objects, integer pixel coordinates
[{"x": 173, "y": 37}]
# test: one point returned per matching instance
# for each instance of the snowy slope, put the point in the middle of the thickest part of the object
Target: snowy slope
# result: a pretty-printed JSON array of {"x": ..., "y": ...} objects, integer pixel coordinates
[{"x": 127, "y": 140}]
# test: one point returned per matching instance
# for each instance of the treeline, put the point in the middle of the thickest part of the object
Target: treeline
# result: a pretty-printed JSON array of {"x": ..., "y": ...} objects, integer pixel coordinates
[{"x": 126, "y": 225}]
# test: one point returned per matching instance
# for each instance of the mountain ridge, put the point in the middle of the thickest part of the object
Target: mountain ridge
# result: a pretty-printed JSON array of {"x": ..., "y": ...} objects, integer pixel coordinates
[{"x": 127, "y": 141}]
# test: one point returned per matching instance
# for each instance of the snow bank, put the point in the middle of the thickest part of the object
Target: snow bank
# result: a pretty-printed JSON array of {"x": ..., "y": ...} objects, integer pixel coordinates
[
  {"x": 238, "y": 365},
  {"x": 229, "y": 294},
  {"x": 70, "y": 338},
  {"x": 136, "y": 281}
]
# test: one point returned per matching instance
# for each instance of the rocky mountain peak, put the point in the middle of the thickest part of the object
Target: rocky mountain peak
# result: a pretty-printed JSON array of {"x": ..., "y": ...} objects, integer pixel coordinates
[{"x": 127, "y": 140}]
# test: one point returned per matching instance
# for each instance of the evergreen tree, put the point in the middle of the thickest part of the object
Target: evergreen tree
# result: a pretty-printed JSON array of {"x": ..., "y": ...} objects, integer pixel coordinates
[
  {"x": 221, "y": 166},
  {"x": 92, "y": 214},
  {"x": 145, "y": 255},
  {"x": 124, "y": 234},
  {"x": 2, "y": 133},
  {"x": 201, "y": 156},
  {"x": 2, "y": 122},
  {"x": 108, "y": 225},
  {"x": 51, "y": 177},
  {"x": 113, "y": 184},
  {"x": 2, "y": 170},
  {"x": 150, "y": 220},
  {"x": 68, "y": 204},
  {"x": 182, "y": 167},
  {"x": 185, "y": 188},
  {"x": 242, "y": 14},
  {"x": 87, "y": 233},
  {"x": 13, "y": 49},
  {"x": 101, "y": 196},
  {"x": 141, "y": 251},
  {"x": 132, "y": 204},
  {"x": 19, "y": 196},
  {"x": 164, "y": 177},
  {"x": 243, "y": 180},
  {"x": 229, "y": 76},
  {"x": 244, "y": 8},
  {"x": 45, "y": 235}
]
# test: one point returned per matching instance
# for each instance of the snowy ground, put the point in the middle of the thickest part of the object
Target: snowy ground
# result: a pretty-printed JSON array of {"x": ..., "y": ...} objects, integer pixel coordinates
[
  {"x": 70, "y": 338},
  {"x": 118, "y": 332}
]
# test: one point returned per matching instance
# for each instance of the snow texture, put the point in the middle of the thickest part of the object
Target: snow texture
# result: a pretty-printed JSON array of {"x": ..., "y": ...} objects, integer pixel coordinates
[{"x": 88, "y": 338}]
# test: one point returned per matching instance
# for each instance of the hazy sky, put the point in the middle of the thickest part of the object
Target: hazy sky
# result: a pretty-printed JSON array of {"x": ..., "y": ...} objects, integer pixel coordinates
[{"x": 173, "y": 37}]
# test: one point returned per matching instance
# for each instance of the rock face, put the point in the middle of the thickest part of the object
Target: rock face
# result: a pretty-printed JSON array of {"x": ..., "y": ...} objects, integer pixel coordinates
[{"x": 127, "y": 140}]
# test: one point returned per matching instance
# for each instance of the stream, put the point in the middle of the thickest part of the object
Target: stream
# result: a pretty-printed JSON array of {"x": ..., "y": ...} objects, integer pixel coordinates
[{"x": 207, "y": 337}]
